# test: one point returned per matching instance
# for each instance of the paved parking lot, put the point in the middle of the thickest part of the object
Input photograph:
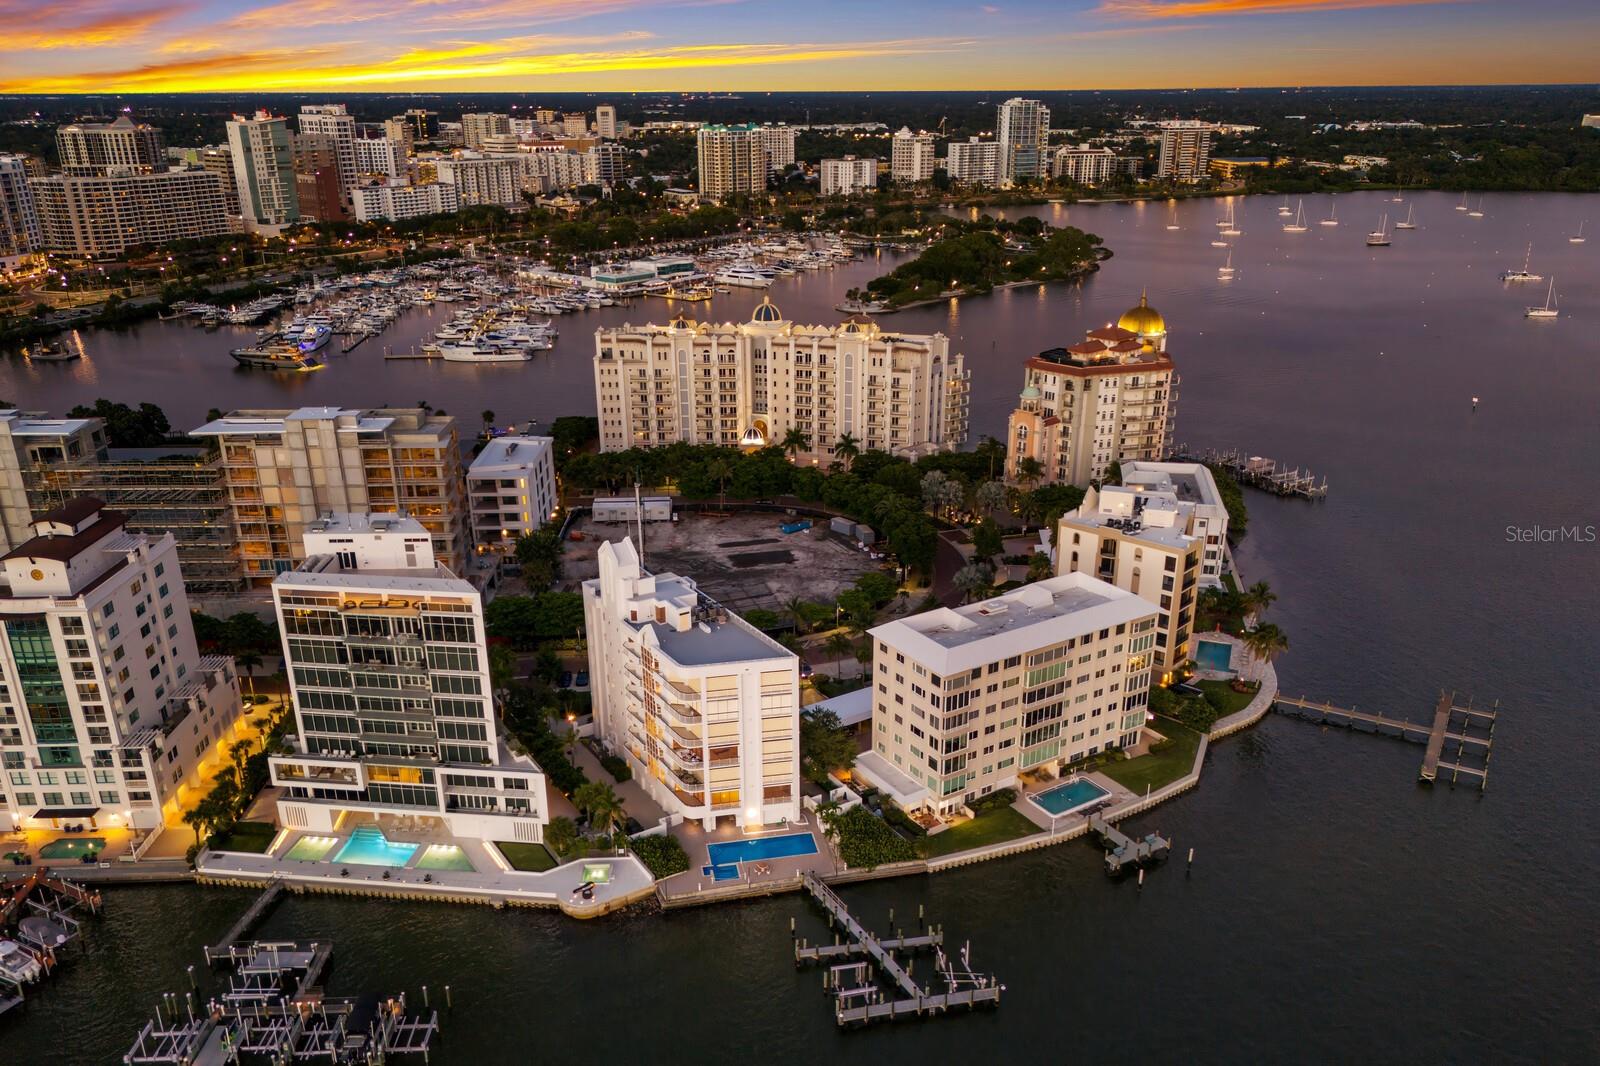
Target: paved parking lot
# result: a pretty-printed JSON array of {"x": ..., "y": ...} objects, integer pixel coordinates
[{"x": 742, "y": 560}]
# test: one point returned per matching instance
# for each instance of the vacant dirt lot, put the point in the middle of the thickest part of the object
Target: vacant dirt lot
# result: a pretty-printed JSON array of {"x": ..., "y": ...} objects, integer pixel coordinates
[{"x": 743, "y": 561}]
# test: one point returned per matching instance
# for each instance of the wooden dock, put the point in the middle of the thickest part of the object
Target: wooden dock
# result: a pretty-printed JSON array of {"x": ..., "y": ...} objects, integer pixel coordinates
[
  {"x": 1260, "y": 472},
  {"x": 862, "y": 998},
  {"x": 1464, "y": 727},
  {"x": 1124, "y": 852},
  {"x": 222, "y": 949}
]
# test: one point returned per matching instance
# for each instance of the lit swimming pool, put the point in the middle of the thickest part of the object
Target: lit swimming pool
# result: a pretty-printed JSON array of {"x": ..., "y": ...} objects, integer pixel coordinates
[
  {"x": 1068, "y": 796},
  {"x": 368, "y": 846},
  {"x": 1213, "y": 655},
  {"x": 720, "y": 873},
  {"x": 444, "y": 857},
  {"x": 72, "y": 847},
  {"x": 757, "y": 848},
  {"x": 311, "y": 849}
]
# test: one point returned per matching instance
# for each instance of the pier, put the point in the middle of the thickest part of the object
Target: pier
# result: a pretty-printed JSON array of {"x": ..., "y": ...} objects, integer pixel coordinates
[
  {"x": 39, "y": 915},
  {"x": 1122, "y": 851},
  {"x": 862, "y": 996},
  {"x": 1260, "y": 472},
  {"x": 1469, "y": 730},
  {"x": 247, "y": 921}
]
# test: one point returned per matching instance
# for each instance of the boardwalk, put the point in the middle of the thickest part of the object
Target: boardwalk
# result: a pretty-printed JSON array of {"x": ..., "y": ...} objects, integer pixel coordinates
[
  {"x": 1452, "y": 724},
  {"x": 247, "y": 921}
]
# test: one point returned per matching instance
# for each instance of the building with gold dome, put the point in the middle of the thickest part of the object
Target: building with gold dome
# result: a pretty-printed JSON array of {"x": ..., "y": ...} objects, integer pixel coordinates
[
  {"x": 1110, "y": 398},
  {"x": 748, "y": 384}
]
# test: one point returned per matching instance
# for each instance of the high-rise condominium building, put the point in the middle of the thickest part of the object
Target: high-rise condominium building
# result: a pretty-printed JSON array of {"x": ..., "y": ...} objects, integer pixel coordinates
[
  {"x": 105, "y": 215},
  {"x": 424, "y": 124},
  {"x": 389, "y": 670},
  {"x": 575, "y": 123},
  {"x": 605, "y": 121},
  {"x": 402, "y": 132},
  {"x": 966, "y": 699},
  {"x": 849, "y": 176},
  {"x": 1023, "y": 133},
  {"x": 1150, "y": 555},
  {"x": 502, "y": 179},
  {"x": 753, "y": 383},
  {"x": 106, "y": 705},
  {"x": 733, "y": 161},
  {"x": 778, "y": 142},
  {"x": 380, "y": 155},
  {"x": 1185, "y": 150},
  {"x": 316, "y": 178},
  {"x": 973, "y": 162},
  {"x": 604, "y": 164},
  {"x": 217, "y": 159},
  {"x": 19, "y": 217},
  {"x": 122, "y": 145},
  {"x": 511, "y": 488},
  {"x": 263, "y": 169},
  {"x": 1088, "y": 165},
  {"x": 476, "y": 126},
  {"x": 1108, "y": 399},
  {"x": 338, "y": 125},
  {"x": 46, "y": 463},
  {"x": 911, "y": 157},
  {"x": 704, "y": 706},
  {"x": 285, "y": 469},
  {"x": 387, "y": 202}
]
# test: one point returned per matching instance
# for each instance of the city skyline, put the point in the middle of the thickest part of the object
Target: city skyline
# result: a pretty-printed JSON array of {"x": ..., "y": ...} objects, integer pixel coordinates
[{"x": 97, "y": 46}]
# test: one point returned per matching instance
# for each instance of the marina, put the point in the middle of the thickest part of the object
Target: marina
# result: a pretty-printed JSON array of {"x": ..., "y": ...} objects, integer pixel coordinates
[
  {"x": 1260, "y": 472},
  {"x": 1470, "y": 731}
]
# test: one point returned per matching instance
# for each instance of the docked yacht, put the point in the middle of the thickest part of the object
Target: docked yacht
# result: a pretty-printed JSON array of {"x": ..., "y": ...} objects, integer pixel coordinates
[
  {"x": 275, "y": 352},
  {"x": 480, "y": 352},
  {"x": 744, "y": 276}
]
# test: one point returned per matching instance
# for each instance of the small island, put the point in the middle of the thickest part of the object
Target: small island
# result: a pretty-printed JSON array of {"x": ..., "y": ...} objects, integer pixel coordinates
[{"x": 1027, "y": 251}]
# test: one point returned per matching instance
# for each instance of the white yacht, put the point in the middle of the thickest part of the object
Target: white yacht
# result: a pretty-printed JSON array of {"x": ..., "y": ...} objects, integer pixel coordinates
[
  {"x": 478, "y": 352},
  {"x": 1549, "y": 308},
  {"x": 1524, "y": 274},
  {"x": 1333, "y": 216},
  {"x": 1299, "y": 223},
  {"x": 743, "y": 276},
  {"x": 1283, "y": 209},
  {"x": 1576, "y": 238},
  {"x": 1379, "y": 238},
  {"x": 1225, "y": 271},
  {"x": 1410, "y": 221}
]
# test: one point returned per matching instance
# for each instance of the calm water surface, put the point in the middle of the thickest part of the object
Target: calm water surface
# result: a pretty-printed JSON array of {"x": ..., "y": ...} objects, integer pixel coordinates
[{"x": 1336, "y": 911}]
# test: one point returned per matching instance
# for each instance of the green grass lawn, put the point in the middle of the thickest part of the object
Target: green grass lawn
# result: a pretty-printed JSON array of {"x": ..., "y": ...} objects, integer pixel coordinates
[
  {"x": 1159, "y": 767},
  {"x": 246, "y": 836},
  {"x": 530, "y": 858},
  {"x": 1231, "y": 701},
  {"x": 990, "y": 827}
]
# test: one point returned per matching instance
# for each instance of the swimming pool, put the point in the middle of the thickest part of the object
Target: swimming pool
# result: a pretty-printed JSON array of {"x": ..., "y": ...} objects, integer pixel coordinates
[
  {"x": 71, "y": 847},
  {"x": 444, "y": 857},
  {"x": 368, "y": 846},
  {"x": 1213, "y": 655},
  {"x": 784, "y": 847},
  {"x": 311, "y": 849},
  {"x": 597, "y": 873},
  {"x": 1068, "y": 796},
  {"x": 720, "y": 873}
]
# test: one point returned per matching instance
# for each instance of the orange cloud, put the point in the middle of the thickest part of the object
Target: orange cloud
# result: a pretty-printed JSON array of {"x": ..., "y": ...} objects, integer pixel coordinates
[
  {"x": 303, "y": 68},
  {"x": 301, "y": 13},
  {"x": 29, "y": 30},
  {"x": 1182, "y": 9}
]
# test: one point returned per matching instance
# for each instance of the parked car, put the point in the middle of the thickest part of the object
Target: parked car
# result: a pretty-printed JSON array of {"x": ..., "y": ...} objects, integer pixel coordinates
[
  {"x": 566, "y": 679},
  {"x": 805, "y": 669},
  {"x": 583, "y": 679}
]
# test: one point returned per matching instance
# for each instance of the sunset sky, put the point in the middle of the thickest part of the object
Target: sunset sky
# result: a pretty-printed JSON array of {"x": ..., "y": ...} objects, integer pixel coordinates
[{"x": 616, "y": 45}]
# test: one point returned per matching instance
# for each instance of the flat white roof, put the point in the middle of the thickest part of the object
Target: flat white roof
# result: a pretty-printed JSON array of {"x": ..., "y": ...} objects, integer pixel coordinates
[
  {"x": 905, "y": 789},
  {"x": 852, "y": 707},
  {"x": 1189, "y": 482},
  {"x": 509, "y": 454},
  {"x": 1034, "y": 616}
]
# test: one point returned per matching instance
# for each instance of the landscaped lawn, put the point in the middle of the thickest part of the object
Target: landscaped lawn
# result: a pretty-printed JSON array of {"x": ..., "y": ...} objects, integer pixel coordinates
[
  {"x": 1158, "y": 768},
  {"x": 1231, "y": 701},
  {"x": 246, "y": 836},
  {"x": 990, "y": 827},
  {"x": 530, "y": 858}
]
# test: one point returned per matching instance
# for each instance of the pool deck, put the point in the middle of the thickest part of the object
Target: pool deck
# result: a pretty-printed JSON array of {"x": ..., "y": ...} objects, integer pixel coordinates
[
  {"x": 696, "y": 842},
  {"x": 491, "y": 881},
  {"x": 1030, "y": 808}
]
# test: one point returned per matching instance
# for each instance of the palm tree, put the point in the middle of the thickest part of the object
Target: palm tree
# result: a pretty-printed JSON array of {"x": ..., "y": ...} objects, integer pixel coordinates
[
  {"x": 606, "y": 813},
  {"x": 239, "y": 753},
  {"x": 990, "y": 497},
  {"x": 561, "y": 835},
  {"x": 797, "y": 610},
  {"x": 1266, "y": 643},
  {"x": 828, "y": 813},
  {"x": 1029, "y": 470},
  {"x": 934, "y": 484},
  {"x": 971, "y": 580},
  {"x": 840, "y": 645},
  {"x": 846, "y": 450},
  {"x": 795, "y": 441},
  {"x": 248, "y": 661},
  {"x": 1039, "y": 566},
  {"x": 488, "y": 421},
  {"x": 197, "y": 819},
  {"x": 1257, "y": 598},
  {"x": 721, "y": 472}
]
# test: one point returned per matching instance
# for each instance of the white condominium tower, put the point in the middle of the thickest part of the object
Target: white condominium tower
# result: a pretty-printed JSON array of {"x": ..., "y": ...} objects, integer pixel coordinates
[
  {"x": 733, "y": 161},
  {"x": 263, "y": 169},
  {"x": 103, "y": 215},
  {"x": 106, "y": 706},
  {"x": 122, "y": 145},
  {"x": 849, "y": 176},
  {"x": 1189, "y": 493},
  {"x": 973, "y": 162},
  {"x": 1110, "y": 398},
  {"x": 605, "y": 122},
  {"x": 511, "y": 485},
  {"x": 333, "y": 121},
  {"x": 1022, "y": 131},
  {"x": 705, "y": 707},
  {"x": 779, "y": 144},
  {"x": 475, "y": 127},
  {"x": 285, "y": 469},
  {"x": 19, "y": 218},
  {"x": 750, "y": 384},
  {"x": 911, "y": 157},
  {"x": 1185, "y": 150},
  {"x": 389, "y": 671},
  {"x": 965, "y": 699}
]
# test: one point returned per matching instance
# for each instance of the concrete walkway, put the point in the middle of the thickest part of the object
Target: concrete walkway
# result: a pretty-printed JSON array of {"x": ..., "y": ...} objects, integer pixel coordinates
[{"x": 644, "y": 810}]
